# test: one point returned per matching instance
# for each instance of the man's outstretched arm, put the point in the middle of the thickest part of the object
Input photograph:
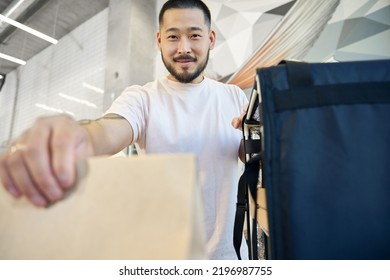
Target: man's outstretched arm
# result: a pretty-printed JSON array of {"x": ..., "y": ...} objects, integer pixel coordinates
[{"x": 41, "y": 163}]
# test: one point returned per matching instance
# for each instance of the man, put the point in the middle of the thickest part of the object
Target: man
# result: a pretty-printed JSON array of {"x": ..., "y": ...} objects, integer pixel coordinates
[{"x": 183, "y": 112}]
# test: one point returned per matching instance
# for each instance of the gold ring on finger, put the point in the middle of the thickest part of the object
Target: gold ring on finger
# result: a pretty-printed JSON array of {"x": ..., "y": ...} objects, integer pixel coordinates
[{"x": 17, "y": 147}]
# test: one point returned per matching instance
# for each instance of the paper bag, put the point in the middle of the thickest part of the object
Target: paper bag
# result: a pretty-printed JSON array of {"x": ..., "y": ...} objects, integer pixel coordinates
[
  {"x": 121, "y": 208},
  {"x": 262, "y": 218}
]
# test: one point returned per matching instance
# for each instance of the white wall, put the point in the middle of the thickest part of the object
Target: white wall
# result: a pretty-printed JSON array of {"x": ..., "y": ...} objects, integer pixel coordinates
[
  {"x": 7, "y": 101},
  {"x": 67, "y": 77}
]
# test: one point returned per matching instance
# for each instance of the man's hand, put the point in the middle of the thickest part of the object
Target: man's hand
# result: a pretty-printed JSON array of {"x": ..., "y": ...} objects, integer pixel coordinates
[
  {"x": 41, "y": 163},
  {"x": 237, "y": 121}
]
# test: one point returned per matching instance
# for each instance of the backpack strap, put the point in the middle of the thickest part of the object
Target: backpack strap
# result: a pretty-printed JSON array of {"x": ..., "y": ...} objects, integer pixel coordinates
[
  {"x": 247, "y": 184},
  {"x": 241, "y": 207}
]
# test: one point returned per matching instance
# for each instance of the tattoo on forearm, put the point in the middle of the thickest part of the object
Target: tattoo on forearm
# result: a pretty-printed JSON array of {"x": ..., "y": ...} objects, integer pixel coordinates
[
  {"x": 111, "y": 117},
  {"x": 85, "y": 122},
  {"x": 106, "y": 117}
]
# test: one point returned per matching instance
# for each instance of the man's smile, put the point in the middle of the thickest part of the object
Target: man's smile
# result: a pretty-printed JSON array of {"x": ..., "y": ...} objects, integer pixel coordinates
[{"x": 185, "y": 60}]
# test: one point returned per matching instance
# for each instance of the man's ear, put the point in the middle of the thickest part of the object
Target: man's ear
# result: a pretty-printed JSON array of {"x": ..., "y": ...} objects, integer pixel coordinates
[
  {"x": 212, "y": 39},
  {"x": 159, "y": 40}
]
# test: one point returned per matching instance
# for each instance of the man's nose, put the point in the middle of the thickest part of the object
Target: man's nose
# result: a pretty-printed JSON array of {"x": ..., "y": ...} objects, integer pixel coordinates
[{"x": 184, "y": 46}]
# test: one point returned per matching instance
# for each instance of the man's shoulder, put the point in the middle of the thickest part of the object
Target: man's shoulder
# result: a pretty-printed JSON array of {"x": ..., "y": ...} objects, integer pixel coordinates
[
  {"x": 147, "y": 87},
  {"x": 224, "y": 86}
]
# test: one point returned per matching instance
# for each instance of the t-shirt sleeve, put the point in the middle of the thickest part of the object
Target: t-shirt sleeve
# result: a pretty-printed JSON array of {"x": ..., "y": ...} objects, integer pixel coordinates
[{"x": 131, "y": 105}]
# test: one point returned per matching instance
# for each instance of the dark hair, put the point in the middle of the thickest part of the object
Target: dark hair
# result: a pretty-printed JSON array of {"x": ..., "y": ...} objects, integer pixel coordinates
[{"x": 186, "y": 4}]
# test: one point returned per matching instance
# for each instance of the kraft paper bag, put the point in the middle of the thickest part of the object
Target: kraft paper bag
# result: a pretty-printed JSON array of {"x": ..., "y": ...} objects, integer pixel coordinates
[
  {"x": 145, "y": 207},
  {"x": 262, "y": 216}
]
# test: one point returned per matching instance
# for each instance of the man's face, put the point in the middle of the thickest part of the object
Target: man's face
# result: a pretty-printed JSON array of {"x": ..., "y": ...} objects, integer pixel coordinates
[{"x": 185, "y": 41}]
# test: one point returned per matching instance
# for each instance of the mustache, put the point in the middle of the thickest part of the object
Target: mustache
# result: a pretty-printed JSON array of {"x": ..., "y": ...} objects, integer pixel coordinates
[{"x": 185, "y": 57}]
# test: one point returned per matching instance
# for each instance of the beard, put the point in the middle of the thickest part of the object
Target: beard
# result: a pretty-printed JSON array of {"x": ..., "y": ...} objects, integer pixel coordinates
[{"x": 185, "y": 76}]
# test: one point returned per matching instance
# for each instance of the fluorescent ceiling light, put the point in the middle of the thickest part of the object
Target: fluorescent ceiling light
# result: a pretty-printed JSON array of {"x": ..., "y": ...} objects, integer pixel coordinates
[
  {"x": 13, "y": 59},
  {"x": 28, "y": 29}
]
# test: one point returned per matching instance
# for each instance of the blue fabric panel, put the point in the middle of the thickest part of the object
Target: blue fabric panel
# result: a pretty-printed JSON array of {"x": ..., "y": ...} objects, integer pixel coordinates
[{"x": 327, "y": 161}]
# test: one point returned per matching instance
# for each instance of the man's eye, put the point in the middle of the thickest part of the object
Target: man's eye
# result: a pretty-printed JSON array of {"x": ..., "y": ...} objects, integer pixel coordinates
[
  {"x": 196, "y": 36},
  {"x": 172, "y": 37}
]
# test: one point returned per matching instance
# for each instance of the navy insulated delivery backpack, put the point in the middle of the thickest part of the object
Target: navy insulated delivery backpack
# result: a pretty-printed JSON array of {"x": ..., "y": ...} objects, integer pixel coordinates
[{"x": 325, "y": 159}]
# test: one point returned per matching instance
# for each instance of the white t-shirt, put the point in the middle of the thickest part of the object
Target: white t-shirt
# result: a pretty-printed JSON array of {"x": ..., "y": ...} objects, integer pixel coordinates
[{"x": 171, "y": 117}]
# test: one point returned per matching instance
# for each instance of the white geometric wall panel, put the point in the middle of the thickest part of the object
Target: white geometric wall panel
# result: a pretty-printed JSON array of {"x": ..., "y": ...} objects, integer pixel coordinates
[
  {"x": 359, "y": 30},
  {"x": 241, "y": 27}
]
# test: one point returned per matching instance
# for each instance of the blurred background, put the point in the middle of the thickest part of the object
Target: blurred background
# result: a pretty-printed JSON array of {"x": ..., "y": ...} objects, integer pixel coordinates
[{"x": 76, "y": 56}]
